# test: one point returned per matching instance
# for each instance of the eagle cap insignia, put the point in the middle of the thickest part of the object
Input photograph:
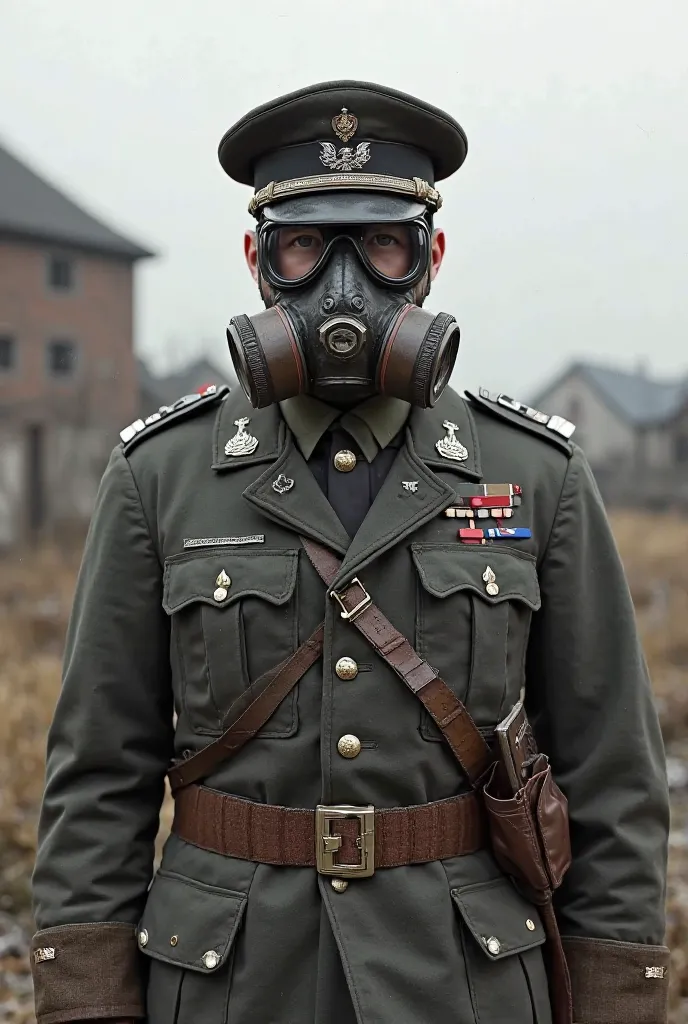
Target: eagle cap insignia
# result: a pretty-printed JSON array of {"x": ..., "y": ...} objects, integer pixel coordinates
[
  {"x": 345, "y": 159},
  {"x": 344, "y": 125}
]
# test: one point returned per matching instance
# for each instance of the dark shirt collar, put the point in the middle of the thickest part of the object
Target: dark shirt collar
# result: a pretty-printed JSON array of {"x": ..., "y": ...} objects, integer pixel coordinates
[{"x": 372, "y": 424}]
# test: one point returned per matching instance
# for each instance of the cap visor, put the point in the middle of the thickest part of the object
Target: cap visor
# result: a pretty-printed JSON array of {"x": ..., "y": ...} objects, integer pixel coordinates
[{"x": 344, "y": 208}]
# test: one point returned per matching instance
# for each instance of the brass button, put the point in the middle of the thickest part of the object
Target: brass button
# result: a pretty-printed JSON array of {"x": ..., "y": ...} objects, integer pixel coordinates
[
  {"x": 349, "y": 746},
  {"x": 339, "y": 884},
  {"x": 490, "y": 581},
  {"x": 530, "y": 925},
  {"x": 223, "y": 584},
  {"x": 344, "y": 461},
  {"x": 174, "y": 940},
  {"x": 346, "y": 668},
  {"x": 210, "y": 959},
  {"x": 143, "y": 937},
  {"x": 493, "y": 945}
]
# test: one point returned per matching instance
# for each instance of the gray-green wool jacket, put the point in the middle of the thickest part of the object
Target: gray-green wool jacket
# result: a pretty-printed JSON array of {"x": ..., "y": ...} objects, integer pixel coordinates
[{"x": 153, "y": 662}]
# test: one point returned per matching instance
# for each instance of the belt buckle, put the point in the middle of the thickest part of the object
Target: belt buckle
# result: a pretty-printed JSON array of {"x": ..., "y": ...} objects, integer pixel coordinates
[
  {"x": 360, "y": 607},
  {"x": 328, "y": 843}
]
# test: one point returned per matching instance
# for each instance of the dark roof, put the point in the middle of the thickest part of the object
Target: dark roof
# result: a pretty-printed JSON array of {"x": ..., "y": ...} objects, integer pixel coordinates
[
  {"x": 32, "y": 208},
  {"x": 634, "y": 397},
  {"x": 156, "y": 391}
]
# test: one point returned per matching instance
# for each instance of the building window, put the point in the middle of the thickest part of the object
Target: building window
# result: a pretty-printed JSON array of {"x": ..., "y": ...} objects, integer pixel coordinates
[
  {"x": 60, "y": 273},
  {"x": 8, "y": 353},
  {"x": 61, "y": 355},
  {"x": 681, "y": 448}
]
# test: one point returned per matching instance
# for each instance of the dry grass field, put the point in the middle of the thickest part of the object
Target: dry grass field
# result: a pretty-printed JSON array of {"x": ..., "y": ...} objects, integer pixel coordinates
[{"x": 35, "y": 597}]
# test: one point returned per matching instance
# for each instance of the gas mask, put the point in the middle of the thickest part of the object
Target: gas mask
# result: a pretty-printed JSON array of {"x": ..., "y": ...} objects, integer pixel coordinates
[{"x": 344, "y": 320}]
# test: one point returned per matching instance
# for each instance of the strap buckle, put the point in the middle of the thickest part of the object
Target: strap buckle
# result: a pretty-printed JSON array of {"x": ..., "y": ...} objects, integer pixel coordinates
[
  {"x": 360, "y": 607},
  {"x": 329, "y": 843}
]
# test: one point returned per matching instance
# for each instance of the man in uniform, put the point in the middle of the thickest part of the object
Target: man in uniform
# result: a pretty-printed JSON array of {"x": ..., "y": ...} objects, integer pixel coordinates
[{"x": 291, "y": 568}]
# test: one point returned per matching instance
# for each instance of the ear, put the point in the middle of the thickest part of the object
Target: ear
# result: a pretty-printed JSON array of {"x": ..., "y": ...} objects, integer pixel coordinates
[
  {"x": 439, "y": 242},
  {"x": 251, "y": 254}
]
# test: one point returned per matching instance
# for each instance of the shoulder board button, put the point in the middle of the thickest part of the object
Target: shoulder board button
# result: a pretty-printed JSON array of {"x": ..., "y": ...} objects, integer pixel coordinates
[
  {"x": 140, "y": 429},
  {"x": 552, "y": 428}
]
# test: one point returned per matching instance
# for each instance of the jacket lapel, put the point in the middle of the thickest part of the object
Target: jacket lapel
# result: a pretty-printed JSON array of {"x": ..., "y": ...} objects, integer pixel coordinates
[
  {"x": 297, "y": 501},
  {"x": 399, "y": 510},
  {"x": 302, "y": 506}
]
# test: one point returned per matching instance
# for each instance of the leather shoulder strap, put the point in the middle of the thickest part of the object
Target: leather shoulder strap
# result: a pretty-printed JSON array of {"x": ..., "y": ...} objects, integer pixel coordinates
[
  {"x": 245, "y": 719},
  {"x": 442, "y": 704}
]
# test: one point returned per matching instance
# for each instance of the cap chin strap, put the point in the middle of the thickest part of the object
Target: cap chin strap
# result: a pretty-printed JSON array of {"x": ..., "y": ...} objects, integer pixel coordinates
[{"x": 414, "y": 188}]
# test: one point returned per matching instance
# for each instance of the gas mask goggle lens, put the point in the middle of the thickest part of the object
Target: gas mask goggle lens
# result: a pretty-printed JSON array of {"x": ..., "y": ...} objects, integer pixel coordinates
[{"x": 395, "y": 255}]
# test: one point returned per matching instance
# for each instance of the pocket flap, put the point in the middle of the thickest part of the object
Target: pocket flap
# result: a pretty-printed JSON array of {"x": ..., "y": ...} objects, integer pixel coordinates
[
  {"x": 194, "y": 577},
  {"x": 190, "y": 924},
  {"x": 501, "y": 920},
  {"x": 445, "y": 569}
]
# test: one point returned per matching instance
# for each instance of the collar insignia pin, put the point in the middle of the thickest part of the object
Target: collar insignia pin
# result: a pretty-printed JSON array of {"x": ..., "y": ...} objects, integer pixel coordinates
[
  {"x": 282, "y": 484},
  {"x": 410, "y": 485},
  {"x": 242, "y": 443},
  {"x": 344, "y": 125},
  {"x": 450, "y": 447}
]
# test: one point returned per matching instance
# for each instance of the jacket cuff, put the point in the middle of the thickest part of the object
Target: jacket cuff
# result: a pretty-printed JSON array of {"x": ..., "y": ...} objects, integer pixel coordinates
[
  {"x": 617, "y": 982},
  {"x": 85, "y": 972}
]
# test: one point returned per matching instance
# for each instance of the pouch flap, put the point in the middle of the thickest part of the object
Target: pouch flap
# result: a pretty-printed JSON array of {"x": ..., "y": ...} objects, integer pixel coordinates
[
  {"x": 190, "y": 924},
  {"x": 446, "y": 568},
  {"x": 194, "y": 577},
  {"x": 501, "y": 920}
]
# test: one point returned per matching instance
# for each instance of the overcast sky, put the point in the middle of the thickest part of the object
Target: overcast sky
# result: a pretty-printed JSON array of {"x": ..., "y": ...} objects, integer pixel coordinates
[{"x": 567, "y": 225}]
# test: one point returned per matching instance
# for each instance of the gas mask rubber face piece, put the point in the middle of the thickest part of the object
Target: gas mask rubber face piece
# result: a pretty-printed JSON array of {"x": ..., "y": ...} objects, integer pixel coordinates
[{"x": 344, "y": 320}]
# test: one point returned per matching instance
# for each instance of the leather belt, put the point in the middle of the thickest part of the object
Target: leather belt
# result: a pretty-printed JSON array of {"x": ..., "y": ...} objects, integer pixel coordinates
[{"x": 338, "y": 840}]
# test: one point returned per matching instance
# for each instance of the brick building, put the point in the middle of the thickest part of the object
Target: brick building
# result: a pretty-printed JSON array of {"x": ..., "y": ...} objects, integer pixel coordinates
[{"x": 68, "y": 375}]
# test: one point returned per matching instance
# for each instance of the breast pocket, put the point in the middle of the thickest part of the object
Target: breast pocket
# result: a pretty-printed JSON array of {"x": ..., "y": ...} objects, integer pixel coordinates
[
  {"x": 234, "y": 617},
  {"x": 473, "y": 612}
]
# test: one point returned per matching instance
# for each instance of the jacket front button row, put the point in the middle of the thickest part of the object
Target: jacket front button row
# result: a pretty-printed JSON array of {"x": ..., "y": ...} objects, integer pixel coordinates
[
  {"x": 346, "y": 668},
  {"x": 349, "y": 746}
]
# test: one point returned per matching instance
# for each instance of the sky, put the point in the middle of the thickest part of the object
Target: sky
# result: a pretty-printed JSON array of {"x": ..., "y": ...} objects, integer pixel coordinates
[{"x": 567, "y": 227}]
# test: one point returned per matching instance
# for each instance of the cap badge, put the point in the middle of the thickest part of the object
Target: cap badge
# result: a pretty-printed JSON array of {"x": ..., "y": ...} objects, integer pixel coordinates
[
  {"x": 344, "y": 125},
  {"x": 346, "y": 159}
]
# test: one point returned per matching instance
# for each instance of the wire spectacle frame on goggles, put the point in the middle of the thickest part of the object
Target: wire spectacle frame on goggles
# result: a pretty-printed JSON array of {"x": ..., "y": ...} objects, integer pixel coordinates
[{"x": 396, "y": 255}]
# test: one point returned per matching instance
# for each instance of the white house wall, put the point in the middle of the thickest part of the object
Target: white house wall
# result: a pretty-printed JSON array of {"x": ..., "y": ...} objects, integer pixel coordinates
[{"x": 604, "y": 436}]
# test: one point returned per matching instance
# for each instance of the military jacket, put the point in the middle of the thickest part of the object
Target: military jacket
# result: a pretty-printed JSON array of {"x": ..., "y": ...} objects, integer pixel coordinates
[{"x": 154, "y": 660}]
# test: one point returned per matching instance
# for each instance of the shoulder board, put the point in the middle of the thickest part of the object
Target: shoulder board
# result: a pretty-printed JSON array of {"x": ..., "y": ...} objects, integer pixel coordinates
[
  {"x": 188, "y": 405},
  {"x": 554, "y": 429}
]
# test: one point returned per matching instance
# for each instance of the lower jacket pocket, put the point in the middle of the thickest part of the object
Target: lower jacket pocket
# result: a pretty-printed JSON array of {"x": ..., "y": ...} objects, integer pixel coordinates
[
  {"x": 502, "y": 938},
  {"x": 188, "y": 929}
]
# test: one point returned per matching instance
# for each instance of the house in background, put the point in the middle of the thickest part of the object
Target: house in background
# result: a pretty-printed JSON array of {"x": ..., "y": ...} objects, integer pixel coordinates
[
  {"x": 68, "y": 375},
  {"x": 633, "y": 429},
  {"x": 155, "y": 391}
]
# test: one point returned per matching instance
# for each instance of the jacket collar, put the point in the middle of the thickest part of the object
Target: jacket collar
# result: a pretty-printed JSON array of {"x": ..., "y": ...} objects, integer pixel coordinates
[{"x": 396, "y": 512}]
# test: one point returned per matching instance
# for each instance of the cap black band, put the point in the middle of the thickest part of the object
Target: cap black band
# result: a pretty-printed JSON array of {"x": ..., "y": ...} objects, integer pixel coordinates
[{"x": 321, "y": 157}]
